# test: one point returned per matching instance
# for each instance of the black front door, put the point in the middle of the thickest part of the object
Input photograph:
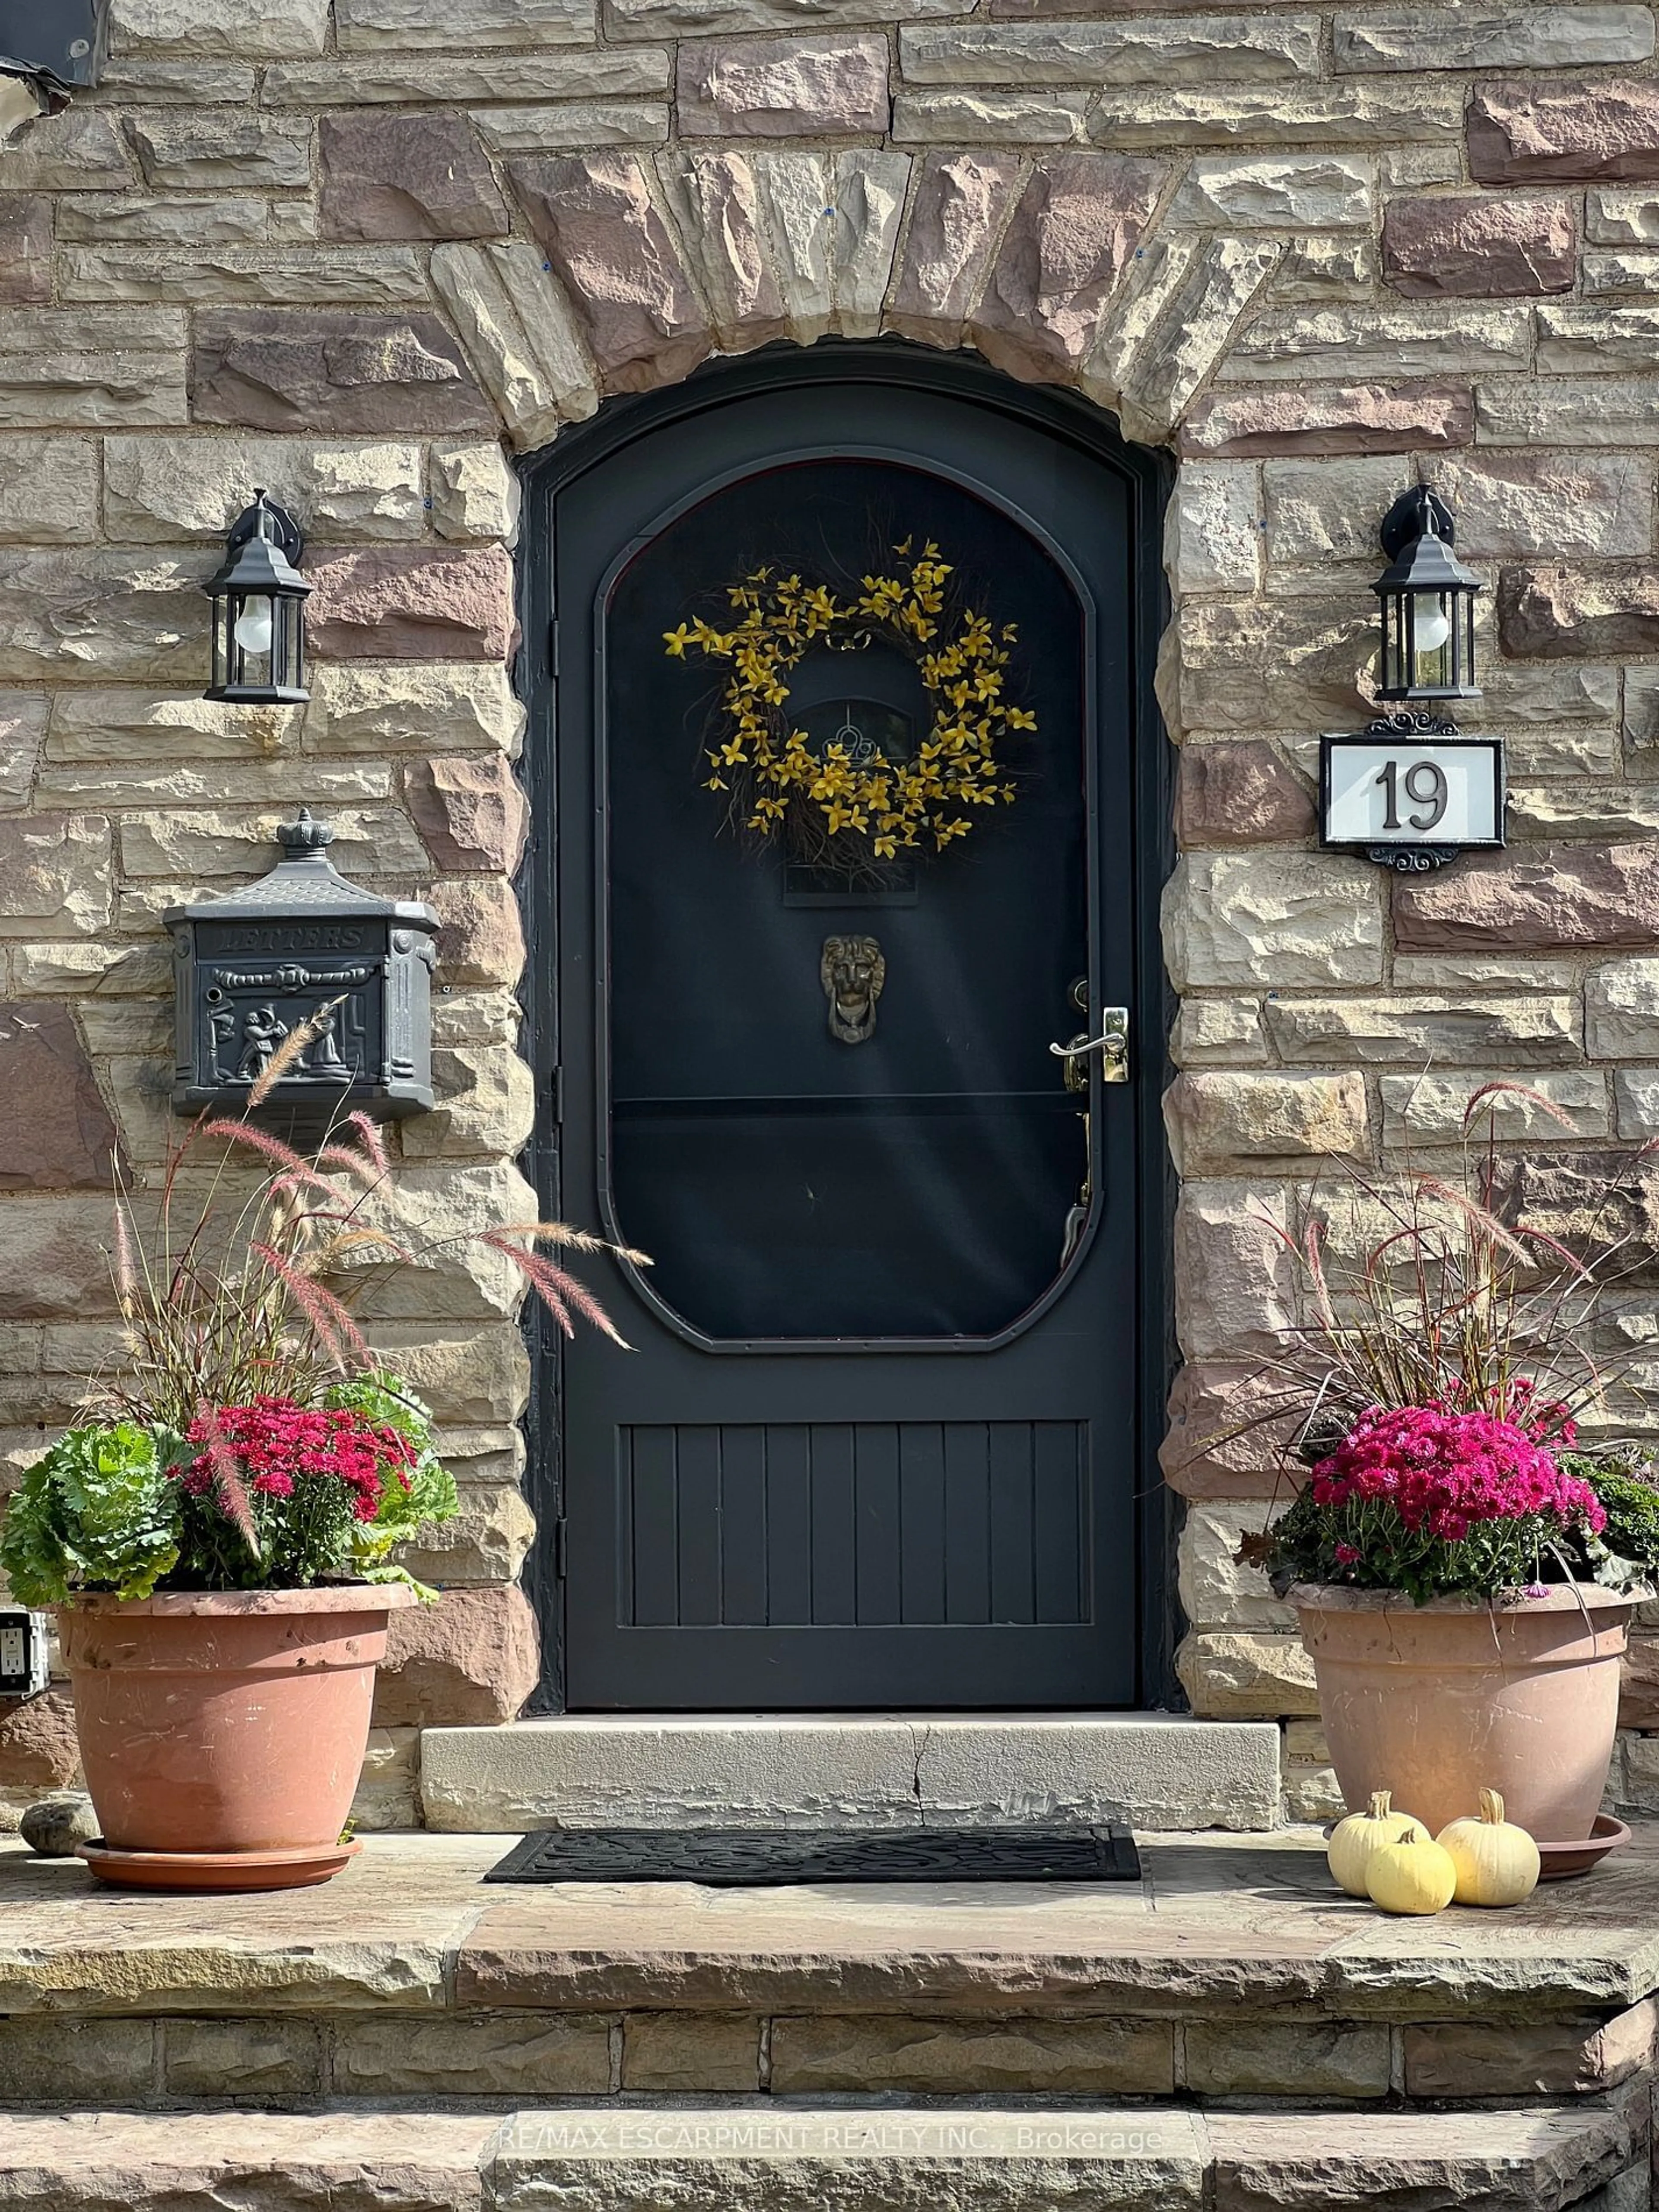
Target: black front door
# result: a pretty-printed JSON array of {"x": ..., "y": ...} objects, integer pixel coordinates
[{"x": 840, "y": 752}]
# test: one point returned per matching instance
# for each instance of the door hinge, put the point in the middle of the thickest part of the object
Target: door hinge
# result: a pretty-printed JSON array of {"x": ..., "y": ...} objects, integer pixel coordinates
[
  {"x": 557, "y": 1101},
  {"x": 561, "y": 1548},
  {"x": 553, "y": 646}
]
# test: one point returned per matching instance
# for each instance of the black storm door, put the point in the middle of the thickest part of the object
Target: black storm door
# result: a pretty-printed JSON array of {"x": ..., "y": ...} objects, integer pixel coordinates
[{"x": 833, "y": 845}]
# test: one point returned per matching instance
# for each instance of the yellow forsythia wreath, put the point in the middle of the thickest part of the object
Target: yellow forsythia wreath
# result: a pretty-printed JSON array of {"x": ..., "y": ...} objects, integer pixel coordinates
[{"x": 772, "y": 768}]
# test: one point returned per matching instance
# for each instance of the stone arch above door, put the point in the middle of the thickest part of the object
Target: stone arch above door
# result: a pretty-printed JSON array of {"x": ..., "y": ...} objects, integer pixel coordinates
[{"x": 1079, "y": 269}]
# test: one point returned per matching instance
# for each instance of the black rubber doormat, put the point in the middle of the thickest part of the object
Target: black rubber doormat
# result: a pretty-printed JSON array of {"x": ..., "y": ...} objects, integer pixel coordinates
[{"x": 735, "y": 1858}]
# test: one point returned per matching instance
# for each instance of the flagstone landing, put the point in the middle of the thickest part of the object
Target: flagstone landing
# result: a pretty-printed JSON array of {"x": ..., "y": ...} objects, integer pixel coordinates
[{"x": 1232, "y": 1972}]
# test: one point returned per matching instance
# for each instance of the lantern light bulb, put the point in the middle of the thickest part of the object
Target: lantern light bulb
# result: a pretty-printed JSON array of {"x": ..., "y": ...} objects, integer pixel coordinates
[
  {"x": 1432, "y": 627},
  {"x": 256, "y": 626}
]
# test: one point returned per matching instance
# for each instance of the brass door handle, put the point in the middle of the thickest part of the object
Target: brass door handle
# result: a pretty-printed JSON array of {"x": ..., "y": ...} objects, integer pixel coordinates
[{"x": 1112, "y": 1045}]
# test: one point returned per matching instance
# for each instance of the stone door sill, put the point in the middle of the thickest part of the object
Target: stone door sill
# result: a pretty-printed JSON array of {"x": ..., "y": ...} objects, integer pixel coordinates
[{"x": 1162, "y": 1772}]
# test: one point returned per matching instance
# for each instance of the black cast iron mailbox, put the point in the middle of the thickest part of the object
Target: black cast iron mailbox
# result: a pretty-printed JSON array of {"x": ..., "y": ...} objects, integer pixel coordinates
[{"x": 304, "y": 944}]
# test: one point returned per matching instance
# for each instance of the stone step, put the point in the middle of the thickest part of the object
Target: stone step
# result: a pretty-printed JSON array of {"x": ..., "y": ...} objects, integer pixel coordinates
[
  {"x": 1162, "y": 1772},
  {"x": 1222, "y": 2059},
  {"x": 744, "y": 2158},
  {"x": 1536, "y": 2158},
  {"x": 1233, "y": 1970}
]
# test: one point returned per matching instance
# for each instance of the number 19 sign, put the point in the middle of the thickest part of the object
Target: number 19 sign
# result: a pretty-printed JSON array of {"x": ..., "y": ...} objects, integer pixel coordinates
[{"x": 1410, "y": 800}]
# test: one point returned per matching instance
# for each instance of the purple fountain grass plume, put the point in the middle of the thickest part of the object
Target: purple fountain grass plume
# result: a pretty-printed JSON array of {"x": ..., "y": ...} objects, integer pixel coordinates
[
  {"x": 328, "y": 1319},
  {"x": 349, "y": 1161},
  {"x": 179, "y": 1153},
  {"x": 1557, "y": 1250},
  {"x": 574, "y": 1240},
  {"x": 1505, "y": 1086},
  {"x": 126, "y": 1260},
  {"x": 296, "y": 1168},
  {"x": 1316, "y": 1263},
  {"x": 299, "y": 1039},
  {"x": 354, "y": 1236},
  {"x": 558, "y": 1292},
  {"x": 230, "y": 1487},
  {"x": 287, "y": 1209},
  {"x": 1473, "y": 1215},
  {"x": 370, "y": 1137}
]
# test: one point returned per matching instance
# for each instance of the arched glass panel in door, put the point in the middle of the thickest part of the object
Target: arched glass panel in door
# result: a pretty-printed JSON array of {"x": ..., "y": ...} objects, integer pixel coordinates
[{"x": 833, "y": 1109}]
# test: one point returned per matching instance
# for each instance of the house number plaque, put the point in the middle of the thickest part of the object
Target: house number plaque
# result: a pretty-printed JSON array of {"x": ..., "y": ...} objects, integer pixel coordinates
[{"x": 1410, "y": 794}]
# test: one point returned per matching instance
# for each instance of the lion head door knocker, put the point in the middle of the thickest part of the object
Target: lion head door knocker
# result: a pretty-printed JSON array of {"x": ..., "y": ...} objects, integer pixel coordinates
[{"x": 854, "y": 972}]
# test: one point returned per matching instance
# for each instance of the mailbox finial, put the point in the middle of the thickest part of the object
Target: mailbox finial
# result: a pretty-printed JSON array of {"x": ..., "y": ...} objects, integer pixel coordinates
[{"x": 306, "y": 834}]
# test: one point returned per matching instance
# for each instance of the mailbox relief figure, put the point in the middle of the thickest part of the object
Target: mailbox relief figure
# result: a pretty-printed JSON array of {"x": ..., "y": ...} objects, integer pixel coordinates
[{"x": 303, "y": 945}]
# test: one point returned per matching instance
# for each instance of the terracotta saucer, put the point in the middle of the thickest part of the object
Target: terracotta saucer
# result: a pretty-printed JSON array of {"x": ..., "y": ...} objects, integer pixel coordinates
[
  {"x": 222, "y": 1871},
  {"x": 1557, "y": 1861}
]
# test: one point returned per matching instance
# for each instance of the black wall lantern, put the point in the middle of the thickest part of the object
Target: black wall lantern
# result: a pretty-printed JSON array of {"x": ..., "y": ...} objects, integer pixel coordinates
[
  {"x": 258, "y": 611},
  {"x": 1428, "y": 604},
  {"x": 302, "y": 944}
]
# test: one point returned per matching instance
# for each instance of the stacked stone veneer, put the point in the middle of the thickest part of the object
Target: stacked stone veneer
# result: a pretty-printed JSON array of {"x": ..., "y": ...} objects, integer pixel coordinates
[{"x": 363, "y": 254}]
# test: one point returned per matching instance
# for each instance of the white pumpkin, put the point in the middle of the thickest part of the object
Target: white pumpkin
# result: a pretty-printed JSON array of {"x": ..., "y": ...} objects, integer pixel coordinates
[
  {"x": 1412, "y": 1876},
  {"x": 1353, "y": 1840},
  {"x": 1497, "y": 1863}
]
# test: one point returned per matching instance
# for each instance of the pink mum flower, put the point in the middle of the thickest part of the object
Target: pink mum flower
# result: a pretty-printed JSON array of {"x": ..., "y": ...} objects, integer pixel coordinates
[{"x": 1447, "y": 1472}]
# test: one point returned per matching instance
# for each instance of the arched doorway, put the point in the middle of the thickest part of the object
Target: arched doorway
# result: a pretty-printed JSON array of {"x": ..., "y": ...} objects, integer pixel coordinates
[{"x": 883, "y": 1441}]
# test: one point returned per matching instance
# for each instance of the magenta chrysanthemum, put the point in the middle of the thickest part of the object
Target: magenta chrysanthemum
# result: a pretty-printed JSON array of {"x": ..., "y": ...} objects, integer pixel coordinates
[
  {"x": 1445, "y": 1472},
  {"x": 279, "y": 1444}
]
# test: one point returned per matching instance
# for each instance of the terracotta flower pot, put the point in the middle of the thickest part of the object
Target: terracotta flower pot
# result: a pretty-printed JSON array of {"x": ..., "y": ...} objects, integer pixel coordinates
[
  {"x": 226, "y": 1721},
  {"x": 1436, "y": 1702}
]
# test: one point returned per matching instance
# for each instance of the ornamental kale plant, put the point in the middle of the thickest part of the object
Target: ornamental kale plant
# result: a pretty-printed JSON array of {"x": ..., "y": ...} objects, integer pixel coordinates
[
  {"x": 1623, "y": 1553},
  {"x": 100, "y": 1511},
  {"x": 426, "y": 1490}
]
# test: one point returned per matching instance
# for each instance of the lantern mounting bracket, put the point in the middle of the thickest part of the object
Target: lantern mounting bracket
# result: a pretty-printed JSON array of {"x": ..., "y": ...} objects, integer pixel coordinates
[
  {"x": 1418, "y": 511},
  {"x": 264, "y": 518},
  {"x": 1418, "y": 860},
  {"x": 1408, "y": 724}
]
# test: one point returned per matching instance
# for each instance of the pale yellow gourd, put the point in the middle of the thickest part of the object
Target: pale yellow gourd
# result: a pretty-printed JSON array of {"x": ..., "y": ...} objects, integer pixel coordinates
[
  {"x": 1353, "y": 1840},
  {"x": 1412, "y": 1874},
  {"x": 1496, "y": 1862}
]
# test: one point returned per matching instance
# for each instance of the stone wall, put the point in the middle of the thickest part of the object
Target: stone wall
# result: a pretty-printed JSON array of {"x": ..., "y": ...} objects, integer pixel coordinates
[{"x": 364, "y": 254}]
